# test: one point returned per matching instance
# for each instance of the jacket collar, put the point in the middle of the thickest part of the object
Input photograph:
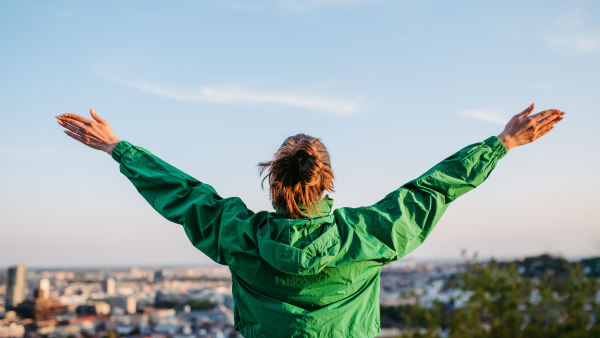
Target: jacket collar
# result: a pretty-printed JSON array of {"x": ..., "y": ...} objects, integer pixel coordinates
[{"x": 324, "y": 206}]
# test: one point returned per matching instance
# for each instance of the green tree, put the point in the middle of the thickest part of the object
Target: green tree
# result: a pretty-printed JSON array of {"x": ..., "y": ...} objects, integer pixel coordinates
[
  {"x": 416, "y": 321},
  {"x": 494, "y": 307},
  {"x": 505, "y": 303},
  {"x": 548, "y": 298}
]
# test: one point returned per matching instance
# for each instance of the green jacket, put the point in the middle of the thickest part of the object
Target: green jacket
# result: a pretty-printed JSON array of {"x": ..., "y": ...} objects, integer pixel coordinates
[{"x": 311, "y": 277}]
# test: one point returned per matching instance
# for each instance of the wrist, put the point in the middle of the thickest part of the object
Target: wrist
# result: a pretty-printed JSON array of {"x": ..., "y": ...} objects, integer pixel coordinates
[
  {"x": 507, "y": 141},
  {"x": 111, "y": 146}
]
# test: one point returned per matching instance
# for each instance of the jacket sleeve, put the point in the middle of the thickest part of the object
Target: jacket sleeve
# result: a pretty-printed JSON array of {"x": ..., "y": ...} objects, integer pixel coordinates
[
  {"x": 213, "y": 224},
  {"x": 400, "y": 222}
]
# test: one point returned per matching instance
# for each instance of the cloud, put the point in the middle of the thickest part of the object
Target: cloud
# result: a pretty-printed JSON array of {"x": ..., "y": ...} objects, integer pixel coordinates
[
  {"x": 236, "y": 95},
  {"x": 571, "y": 33},
  {"x": 484, "y": 115}
]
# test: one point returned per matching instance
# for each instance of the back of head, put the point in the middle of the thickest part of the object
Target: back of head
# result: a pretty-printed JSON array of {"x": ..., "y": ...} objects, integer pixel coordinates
[{"x": 299, "y": 174}]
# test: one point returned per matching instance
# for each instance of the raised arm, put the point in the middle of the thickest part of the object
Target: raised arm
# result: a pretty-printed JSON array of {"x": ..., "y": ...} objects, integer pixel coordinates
[
  {"x": 402, "y": 220},
  {"x": 208, "y": 219}
]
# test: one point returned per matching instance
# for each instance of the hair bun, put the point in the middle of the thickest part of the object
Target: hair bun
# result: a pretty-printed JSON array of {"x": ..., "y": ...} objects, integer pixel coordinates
[
  {"x": 301, "y": 154},
  {"x": 299, "y": 173},
  {"x": 308, "y": 165}
]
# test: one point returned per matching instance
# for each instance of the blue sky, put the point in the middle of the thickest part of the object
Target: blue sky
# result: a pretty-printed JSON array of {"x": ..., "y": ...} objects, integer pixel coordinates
[{"x": 213, "y": 87}]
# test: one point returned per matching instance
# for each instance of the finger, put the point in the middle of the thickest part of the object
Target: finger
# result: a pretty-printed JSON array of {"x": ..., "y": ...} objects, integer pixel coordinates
[
  {"x": 72, "y": 122},
  {"x": 552, "y": 119},
  {"x": 75, "y": 136},
  {"x": 97, "y": 117},
  {"x": 526, "y": 112},
  {"x": 546, "y": 113},
  {"x": 543, "y": 133},
  {"x": 79, "y": 118},
  {"x": 544, "y": 130},
  {"x": 70, "y": 127}
]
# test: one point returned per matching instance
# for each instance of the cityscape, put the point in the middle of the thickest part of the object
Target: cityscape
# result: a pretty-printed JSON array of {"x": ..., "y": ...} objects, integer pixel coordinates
[
  {"x": 169, "y": 302},
  {"x": 197, "y": 302},
  {"x": 175, "y": 302}
]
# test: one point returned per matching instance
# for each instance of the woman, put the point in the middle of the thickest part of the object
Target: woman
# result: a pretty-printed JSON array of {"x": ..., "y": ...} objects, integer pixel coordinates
[{"x": 303, "y": 270}]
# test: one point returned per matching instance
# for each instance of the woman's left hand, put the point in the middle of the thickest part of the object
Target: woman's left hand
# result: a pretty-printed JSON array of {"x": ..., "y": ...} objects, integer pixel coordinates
[{"x": 95, "y": 133}]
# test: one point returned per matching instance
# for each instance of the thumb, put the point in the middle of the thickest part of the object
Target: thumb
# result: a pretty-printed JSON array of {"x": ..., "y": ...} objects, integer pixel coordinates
[
  {"x": 526, "y": 112},
  {"x": 97, "y": 117}
]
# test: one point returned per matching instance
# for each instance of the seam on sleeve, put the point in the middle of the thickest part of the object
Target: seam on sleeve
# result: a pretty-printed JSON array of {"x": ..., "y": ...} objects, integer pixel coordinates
[
  {"x": 118, "y": 151},
  {"x": 495, "y": 143}
]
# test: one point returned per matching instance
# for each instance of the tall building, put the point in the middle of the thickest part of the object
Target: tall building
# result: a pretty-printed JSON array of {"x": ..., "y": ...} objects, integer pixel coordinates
[
  {"x": 44, "y": 288},
  {"x": 159, "y": 275},
  {"x": 108, "y": 286},
  {"x": 15, "y": 288}
]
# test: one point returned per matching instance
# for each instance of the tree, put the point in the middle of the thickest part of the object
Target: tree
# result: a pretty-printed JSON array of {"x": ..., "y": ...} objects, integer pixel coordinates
[
  {"x": 551, "y": 299},
  {"x": 504, "y": 303}
]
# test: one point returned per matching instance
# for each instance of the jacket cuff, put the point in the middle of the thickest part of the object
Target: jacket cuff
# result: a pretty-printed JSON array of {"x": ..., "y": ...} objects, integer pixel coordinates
[
  {"x": 497, "y": 146},
  {"x": 120, "y": 149}
]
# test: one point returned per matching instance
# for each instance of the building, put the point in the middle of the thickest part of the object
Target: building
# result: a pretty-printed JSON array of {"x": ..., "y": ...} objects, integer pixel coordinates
[
  {"x": 92, "y": 308},
  {"x": 108, "y": 286},
  {"x": 159, "y": 275},
  {"x": 11, "y": 330},
  {"x": 128, "y": 304},
  {"x": 102, "y": 308},
  {"x": 15, "y": 288},
  {"x": 136, "y": 273},
  {"x": 389, "y": 333},
  {"x": 39, "y": 308},
  {"x": 45, "y": 288}
]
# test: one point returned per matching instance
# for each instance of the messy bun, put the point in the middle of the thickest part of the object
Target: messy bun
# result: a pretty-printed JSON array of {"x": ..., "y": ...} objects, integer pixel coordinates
[{"x": 298, "y": 174}]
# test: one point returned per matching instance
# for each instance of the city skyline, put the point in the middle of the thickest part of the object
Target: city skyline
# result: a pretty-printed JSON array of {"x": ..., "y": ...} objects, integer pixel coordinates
[
  {"x": 132, "y": 302},
  {"x": 197, "y": 302}
]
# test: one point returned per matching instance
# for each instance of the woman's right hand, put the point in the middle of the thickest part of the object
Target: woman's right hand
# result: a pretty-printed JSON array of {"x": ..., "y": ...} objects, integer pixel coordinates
[
  {"x": 95, "y": 133},
  {"x": 523, "y": 128}
]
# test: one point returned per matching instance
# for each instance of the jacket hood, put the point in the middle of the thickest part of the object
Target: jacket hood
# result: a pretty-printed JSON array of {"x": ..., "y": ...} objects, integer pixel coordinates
[{"x": 300, "y": 246}]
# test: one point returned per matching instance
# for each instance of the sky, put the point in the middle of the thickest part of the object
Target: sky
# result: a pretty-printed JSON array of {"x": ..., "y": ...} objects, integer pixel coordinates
[{"x": 214, "y": 87}]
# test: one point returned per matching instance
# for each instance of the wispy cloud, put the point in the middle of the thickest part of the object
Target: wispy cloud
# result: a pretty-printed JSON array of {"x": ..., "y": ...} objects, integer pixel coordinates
[
  {"x": 571, "y": 33},
  {"x": 485, "y": 116},
  {"x": 235, "y": 95}
]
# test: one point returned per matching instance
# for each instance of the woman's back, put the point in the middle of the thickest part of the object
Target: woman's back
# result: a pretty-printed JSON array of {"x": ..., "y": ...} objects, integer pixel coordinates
[{"x": 295, "y": 289}]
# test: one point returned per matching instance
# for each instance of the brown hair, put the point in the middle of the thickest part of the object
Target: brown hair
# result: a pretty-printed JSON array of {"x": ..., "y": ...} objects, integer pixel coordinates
[{"x": 298, "y": 174}]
